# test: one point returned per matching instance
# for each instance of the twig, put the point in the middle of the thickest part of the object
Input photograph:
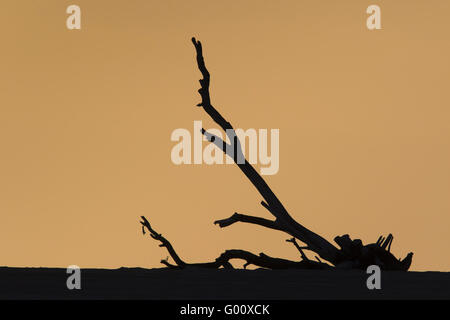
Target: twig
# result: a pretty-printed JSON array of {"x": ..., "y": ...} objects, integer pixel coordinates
[
  {"x": 164, "y": 243},
  {"x": 300, "y": 249}
]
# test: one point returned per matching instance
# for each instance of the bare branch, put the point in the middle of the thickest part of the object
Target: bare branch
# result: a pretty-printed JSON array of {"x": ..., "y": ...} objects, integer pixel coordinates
[
  {"x": 316, "y": 242},
  {"x": 223, "y": 260},
  {"x": 164, "y": 243},
  {"x": 204, "y": 93},
  {"x": 390, "y": 243},
  {"x": 300, "y": 249},
  {"x": 237, "y": 217},
  {"x": 352, "y": 252},
  {"x": 168, "y": 264},
  {"x": 264, "y": 261},
  {"x": 387, "y": 242},
  {"x": 222, "y": 145}
]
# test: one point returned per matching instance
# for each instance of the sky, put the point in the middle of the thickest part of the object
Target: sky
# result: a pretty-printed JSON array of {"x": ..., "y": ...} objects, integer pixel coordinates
[{"x": 86, "y": 118}]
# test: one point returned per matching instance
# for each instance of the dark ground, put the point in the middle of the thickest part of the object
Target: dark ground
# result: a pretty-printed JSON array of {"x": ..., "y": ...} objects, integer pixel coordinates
[{"x": 136, "y": 283}]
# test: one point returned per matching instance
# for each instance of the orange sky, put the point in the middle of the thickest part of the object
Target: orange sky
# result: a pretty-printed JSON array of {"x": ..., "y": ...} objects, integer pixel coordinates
[{"x": 86, "y": 118}]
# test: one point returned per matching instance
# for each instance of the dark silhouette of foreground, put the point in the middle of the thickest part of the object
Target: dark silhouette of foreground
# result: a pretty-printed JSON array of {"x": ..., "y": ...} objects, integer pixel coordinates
[
  {"x": 200, "y": 283},
  {"x": 350, "y": 253}
]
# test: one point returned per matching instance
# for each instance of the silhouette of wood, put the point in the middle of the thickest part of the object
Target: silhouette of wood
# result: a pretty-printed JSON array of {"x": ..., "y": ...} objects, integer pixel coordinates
[
  {"x": 261, "y": 260},
  {"x": 164, "y": 243},
  {"x": 283, "y": 219},
  {"x": 350, "y": 254},
  {"x": 237, "y": 217}
]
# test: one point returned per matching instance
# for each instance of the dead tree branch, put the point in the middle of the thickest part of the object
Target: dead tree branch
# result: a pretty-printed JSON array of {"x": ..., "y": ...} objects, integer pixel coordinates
[
  {"x": 300, "y": 249},
  {"x": 262, "y": 260},
  {"x": 237, "y": 217},
  {"x": 164, "y": 243},
  {"x": 321, "y": 246},
  {"x": 351, "y": 253}
]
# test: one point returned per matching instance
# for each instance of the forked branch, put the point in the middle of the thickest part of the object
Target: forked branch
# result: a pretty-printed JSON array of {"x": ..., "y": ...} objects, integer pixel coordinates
[
  {"x": 321, "y": 246},
  {"x": 164, "y": 243},
  {"x": 237, "y": 217},
  {"x": 262, "y": 260},
  {"x": 352, "y": 253}
]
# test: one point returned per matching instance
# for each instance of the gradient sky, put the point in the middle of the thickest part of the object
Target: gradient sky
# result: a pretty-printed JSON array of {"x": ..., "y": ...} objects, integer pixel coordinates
[{"x": 86, "y": 118}]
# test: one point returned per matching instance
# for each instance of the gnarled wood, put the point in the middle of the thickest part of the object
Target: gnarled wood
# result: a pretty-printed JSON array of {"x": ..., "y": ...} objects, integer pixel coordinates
[
  {"x": 237, "y": 217},
  {"x": 164, "y": 243},
  {"x": 262, "y": 260},
  {"x": 321, "y": 246},
  {"x": 351, "y": 253}
]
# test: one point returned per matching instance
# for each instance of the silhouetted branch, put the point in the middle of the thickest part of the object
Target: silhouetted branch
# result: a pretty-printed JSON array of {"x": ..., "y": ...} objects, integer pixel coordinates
[
  {"x": 265, "y": 205},
  {"x": 222, "y": 145},
  {"x": 300, "y": 249},
  {"x": 164, "y": 243},
  {"x": 387, "y": 242},
  {"x": 321, "y": 246},
  {"x": 406, "y": 262},
  {"x": 264, "y": 261},
  {"x": 261, "y": 260},
  {"x": 352, "y": 253},
  {"x": 168, "y": 264},
  {"x": 204, "y": 93},
  {"x": 237, "y": 217}
]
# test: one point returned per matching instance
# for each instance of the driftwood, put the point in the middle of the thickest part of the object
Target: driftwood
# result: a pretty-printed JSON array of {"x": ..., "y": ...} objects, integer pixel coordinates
[{"x": 349, "y": 253}]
